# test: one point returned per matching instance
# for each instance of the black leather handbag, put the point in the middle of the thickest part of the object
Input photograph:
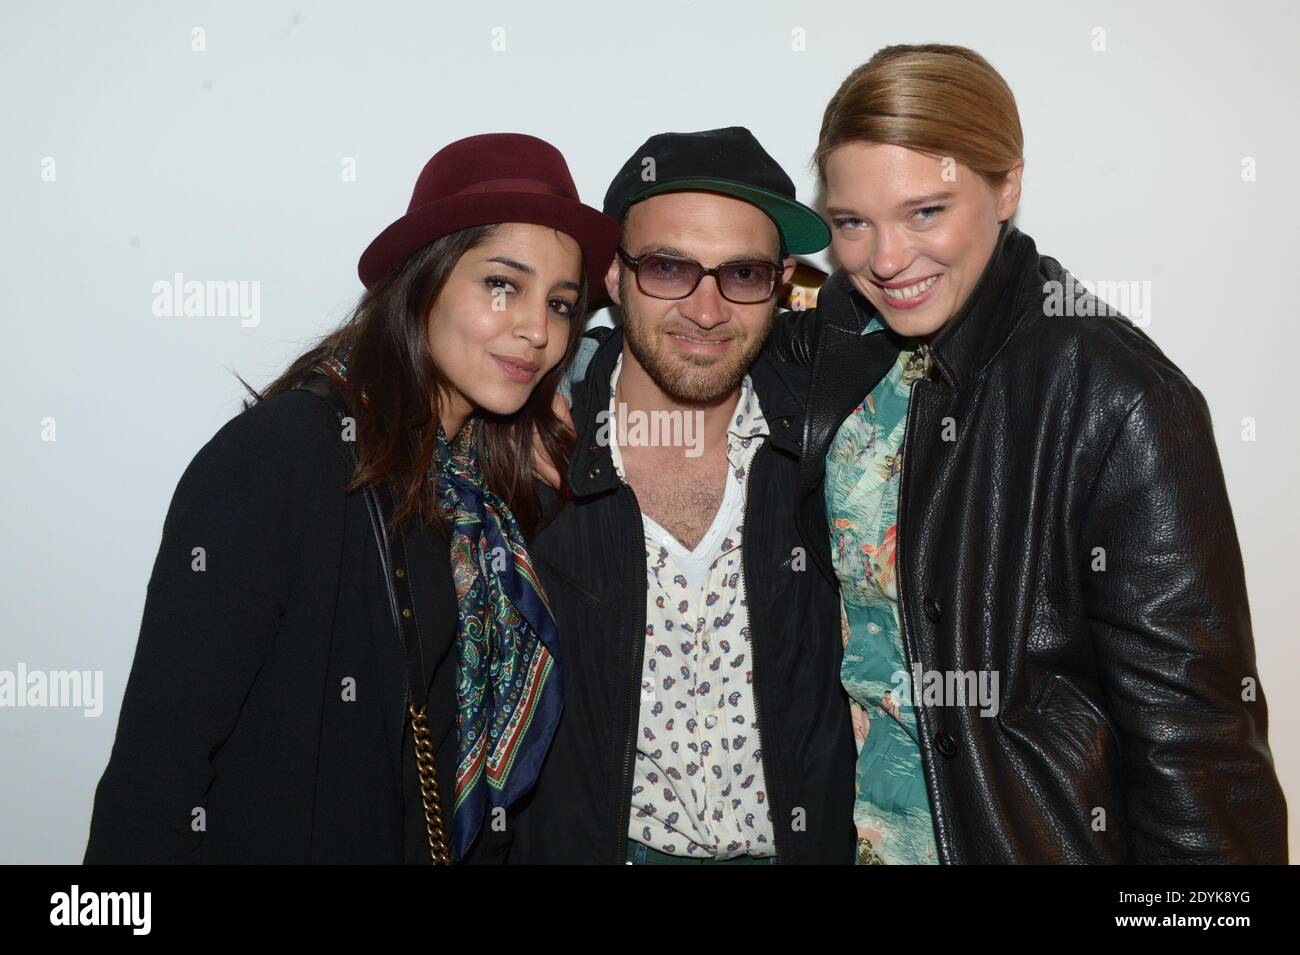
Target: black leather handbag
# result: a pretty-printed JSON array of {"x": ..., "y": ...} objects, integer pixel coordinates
[{"x": 392, "y": 557}]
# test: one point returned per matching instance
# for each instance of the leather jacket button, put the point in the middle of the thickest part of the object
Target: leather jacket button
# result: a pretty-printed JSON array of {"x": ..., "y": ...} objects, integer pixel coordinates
[
  {"x": 945, "y": 744},
  {"x": 593, "y": 447},
  {"x": 932, "y": 609},
  {"x": 594, "y": 472}
]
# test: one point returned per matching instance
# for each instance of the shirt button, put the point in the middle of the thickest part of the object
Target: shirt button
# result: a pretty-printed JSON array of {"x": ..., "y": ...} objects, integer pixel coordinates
[
  {"x": 710, "y": 722},
  {"x": 873, "y": 628}
]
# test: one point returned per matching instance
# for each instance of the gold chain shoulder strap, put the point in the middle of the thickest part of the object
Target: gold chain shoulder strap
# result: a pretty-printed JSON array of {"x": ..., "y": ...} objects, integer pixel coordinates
[
  {"x": 403, "y": 609},
  {"x": 429, "y": 792},
  {"x": 404, "y": 614}
]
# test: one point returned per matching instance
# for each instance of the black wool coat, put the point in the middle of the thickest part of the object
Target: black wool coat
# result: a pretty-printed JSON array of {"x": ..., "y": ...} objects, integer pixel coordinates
[{"x": 264, "y": 718}]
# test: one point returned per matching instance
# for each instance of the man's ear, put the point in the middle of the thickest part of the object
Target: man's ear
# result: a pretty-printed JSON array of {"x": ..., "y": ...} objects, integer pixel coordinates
[
  {"x": 1009, "y": 191},
  {"x": 788, "y": 270},
  {"x": 611, "y": 280}
]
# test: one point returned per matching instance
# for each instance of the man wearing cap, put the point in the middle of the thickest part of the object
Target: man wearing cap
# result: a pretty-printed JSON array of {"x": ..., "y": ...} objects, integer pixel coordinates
[{"x": 700, "y": 649}]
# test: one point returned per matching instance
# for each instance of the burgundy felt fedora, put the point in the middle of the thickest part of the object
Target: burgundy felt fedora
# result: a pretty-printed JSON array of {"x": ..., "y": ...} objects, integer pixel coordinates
[{"x": 495, "y": 177}]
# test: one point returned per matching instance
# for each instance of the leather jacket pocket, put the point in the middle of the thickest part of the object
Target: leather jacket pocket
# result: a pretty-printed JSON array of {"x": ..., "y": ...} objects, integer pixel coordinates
[
  {"x": 1060, "y": 696},
  {"x": 1067, "y": 751}
]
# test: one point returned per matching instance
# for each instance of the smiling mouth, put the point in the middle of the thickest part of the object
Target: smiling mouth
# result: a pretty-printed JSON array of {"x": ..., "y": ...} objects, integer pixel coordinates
[{"x": 908, "y": 292}]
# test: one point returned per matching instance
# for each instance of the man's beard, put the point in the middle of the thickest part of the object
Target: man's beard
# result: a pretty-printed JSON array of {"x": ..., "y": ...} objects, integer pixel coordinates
[{"x": 685, "y": 378}]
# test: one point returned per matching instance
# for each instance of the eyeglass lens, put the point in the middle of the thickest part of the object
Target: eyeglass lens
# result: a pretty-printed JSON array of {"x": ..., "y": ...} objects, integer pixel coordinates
[{"x": 741, "y": 282}]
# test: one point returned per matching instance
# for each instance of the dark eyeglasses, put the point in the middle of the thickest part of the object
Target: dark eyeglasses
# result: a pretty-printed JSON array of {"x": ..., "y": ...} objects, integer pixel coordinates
[{"x": 671, "y": 277}]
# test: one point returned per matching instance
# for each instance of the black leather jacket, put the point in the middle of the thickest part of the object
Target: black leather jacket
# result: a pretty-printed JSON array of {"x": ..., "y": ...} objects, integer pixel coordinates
[
  {"x": 1042, "y": 450},
  {"x": 591, "y": 559}
]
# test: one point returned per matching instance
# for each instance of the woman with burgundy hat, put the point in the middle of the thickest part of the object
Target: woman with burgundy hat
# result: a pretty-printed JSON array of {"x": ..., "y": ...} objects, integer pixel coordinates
[{"x": 345, "y": 654}]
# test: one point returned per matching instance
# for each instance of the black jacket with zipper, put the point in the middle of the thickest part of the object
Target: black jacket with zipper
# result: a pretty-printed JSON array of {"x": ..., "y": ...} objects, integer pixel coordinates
[
  {"x": 591, "y": 559},
  {"x": 1063, "y": 522}
]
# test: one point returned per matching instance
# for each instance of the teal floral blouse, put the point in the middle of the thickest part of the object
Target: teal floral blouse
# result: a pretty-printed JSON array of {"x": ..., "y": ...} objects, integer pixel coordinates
[{"x": 863, "y": 467}]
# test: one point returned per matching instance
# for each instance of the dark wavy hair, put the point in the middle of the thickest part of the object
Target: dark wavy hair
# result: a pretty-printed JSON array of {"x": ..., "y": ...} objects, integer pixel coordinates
[{"x": 396, "y": 432}]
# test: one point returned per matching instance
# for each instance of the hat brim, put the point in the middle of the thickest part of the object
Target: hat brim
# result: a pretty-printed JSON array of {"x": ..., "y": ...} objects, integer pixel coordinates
[
  {"x": 804, "y": 230},
  {"x": 596, "y": 233}
]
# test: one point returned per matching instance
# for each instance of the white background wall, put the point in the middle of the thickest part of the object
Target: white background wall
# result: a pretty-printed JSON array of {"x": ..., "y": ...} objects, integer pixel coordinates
[{"x": 226, "y": 164}]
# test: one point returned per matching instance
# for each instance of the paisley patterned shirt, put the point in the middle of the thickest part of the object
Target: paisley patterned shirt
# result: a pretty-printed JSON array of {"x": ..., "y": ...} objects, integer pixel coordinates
[
  {"x": 697, "y": 786},
  {"x": 863, "y": 468}
]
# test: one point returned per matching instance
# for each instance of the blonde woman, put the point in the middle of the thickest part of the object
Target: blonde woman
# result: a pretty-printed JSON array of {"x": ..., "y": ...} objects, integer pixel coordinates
[{"x": 1044, "y": 612}]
